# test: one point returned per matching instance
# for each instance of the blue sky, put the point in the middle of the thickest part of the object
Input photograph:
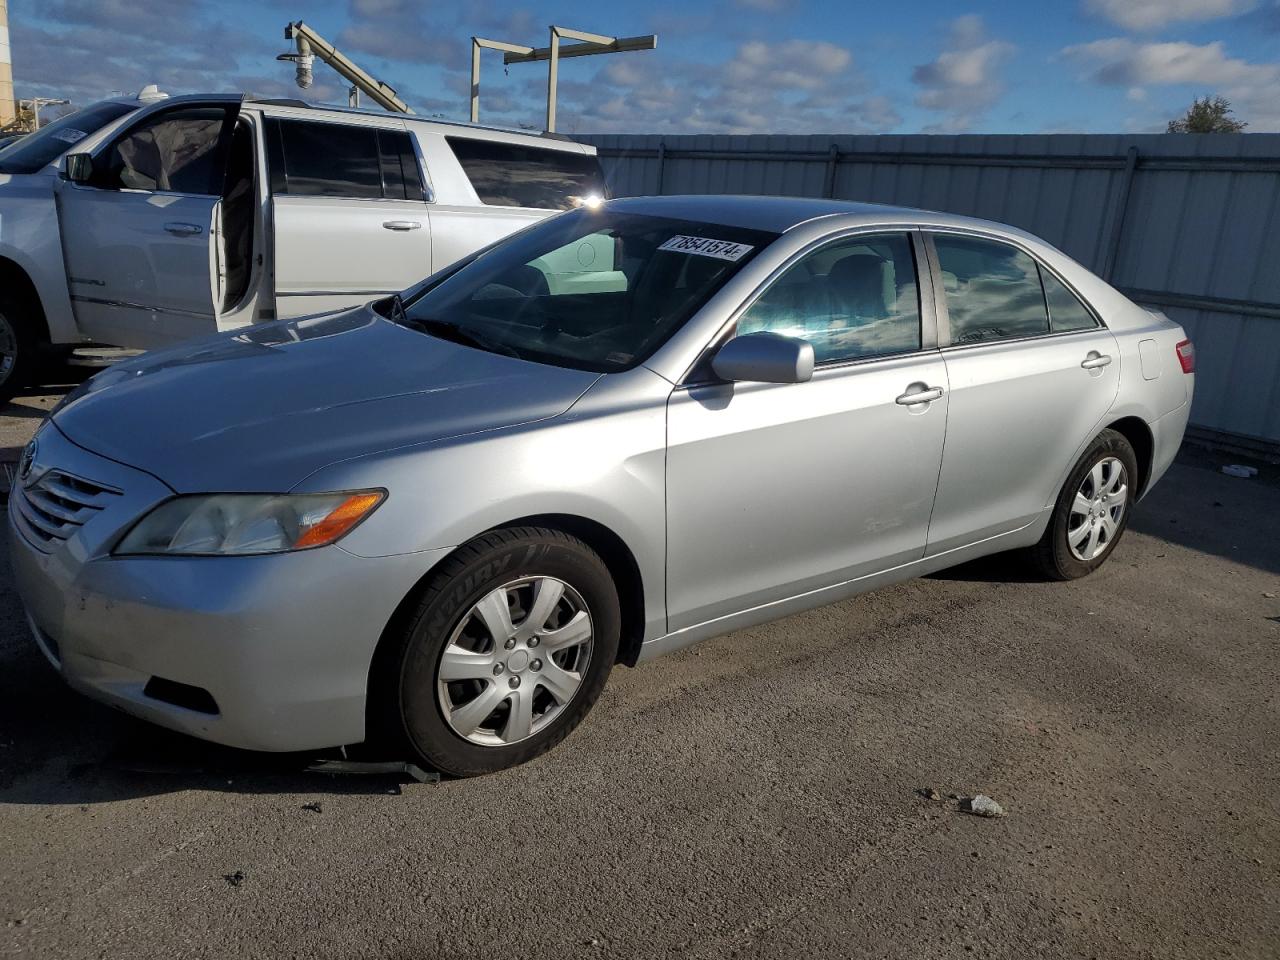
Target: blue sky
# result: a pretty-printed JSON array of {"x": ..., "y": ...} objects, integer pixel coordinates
[{"x": 723, "y": 66}]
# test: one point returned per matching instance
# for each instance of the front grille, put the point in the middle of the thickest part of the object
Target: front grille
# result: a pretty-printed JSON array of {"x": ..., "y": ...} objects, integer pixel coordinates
[{"x": 57, "y": 505}]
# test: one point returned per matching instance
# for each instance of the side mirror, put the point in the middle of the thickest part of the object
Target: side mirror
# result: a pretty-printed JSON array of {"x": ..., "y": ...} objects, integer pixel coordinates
[
  {"x": 78, "y": 167},
  {"x": 764, "y": 358}
]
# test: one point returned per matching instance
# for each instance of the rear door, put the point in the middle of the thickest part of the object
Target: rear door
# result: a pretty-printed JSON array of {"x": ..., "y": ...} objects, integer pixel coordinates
[
  {"x": 139, "y": 238},
  {"x": 1032, "y": 372},
  {"x": 492, "y": 188},
  {"x": 349, "y": 212}
]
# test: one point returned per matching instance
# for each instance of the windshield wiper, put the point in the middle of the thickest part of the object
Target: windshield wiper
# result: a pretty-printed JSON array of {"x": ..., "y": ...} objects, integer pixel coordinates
[{"x": 447, "y": 330}]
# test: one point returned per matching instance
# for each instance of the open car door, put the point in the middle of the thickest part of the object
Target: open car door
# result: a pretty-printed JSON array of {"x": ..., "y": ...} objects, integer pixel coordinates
[{"x": 140, "y": 229}]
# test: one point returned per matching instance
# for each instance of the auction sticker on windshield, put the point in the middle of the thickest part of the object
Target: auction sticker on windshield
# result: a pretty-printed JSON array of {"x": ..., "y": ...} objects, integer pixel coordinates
[{"x": 706, "y": 247}]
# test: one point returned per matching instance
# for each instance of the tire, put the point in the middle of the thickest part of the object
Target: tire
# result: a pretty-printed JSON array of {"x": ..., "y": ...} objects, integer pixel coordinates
[
  {"x": 20, "y": 344},
  {"x": 1077, "y": 542},
  {"x": 537, "y": 693}
]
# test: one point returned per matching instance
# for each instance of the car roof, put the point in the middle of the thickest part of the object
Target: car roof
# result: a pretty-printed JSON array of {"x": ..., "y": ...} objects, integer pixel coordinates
[{"x": 780, "y": 214}]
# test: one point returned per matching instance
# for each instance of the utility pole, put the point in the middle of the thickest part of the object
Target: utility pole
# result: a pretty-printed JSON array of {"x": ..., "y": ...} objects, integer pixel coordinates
[
  {"x": 36, "y": 103},
  {"x": 588, "y": 45},
  {"x": 8, "y": 110}
]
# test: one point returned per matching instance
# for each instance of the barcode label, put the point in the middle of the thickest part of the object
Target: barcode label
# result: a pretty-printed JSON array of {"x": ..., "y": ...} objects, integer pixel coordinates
[{"x": 706, "y": 247}]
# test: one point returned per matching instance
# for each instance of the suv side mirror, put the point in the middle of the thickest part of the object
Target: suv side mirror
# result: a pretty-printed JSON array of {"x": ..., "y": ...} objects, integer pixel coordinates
[
  {"x": 78, "y": 167},
  {"x": 764, "y": 358}
]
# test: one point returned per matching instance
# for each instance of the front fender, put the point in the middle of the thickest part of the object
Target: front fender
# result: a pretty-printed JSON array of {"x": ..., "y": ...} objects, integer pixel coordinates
[
  {"x": 31, "y": 242},
  {"x": 609, "y": 469}
]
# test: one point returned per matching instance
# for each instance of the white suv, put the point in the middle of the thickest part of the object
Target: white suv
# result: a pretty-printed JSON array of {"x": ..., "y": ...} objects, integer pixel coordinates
[{"x": 138, "y": 223}]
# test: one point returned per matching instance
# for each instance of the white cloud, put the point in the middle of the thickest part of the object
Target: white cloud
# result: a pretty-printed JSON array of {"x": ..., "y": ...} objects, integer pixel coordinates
[
  {"x": 1206, "y": 68},
  {"x": 1155, "y": 14},
  {"x": 964, "y": 81},
  {"x": 792, "y": 86}
]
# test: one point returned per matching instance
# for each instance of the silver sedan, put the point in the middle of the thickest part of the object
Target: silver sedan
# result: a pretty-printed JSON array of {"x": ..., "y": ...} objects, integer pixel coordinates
[{"x": 440, "y": 520}]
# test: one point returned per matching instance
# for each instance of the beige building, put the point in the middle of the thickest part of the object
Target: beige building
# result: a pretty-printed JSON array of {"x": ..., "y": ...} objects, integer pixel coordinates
[{"x": 7, "y": 109}]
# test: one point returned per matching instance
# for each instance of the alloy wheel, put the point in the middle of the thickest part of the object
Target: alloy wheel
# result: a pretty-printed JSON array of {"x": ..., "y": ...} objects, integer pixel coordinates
[
  {"x": 515, "y": 661},
  {"x": 1097, "y": 509}
]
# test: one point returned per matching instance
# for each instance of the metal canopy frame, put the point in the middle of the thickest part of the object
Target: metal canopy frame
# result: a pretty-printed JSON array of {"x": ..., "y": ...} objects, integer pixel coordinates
[{"x": 588, "y": 44}]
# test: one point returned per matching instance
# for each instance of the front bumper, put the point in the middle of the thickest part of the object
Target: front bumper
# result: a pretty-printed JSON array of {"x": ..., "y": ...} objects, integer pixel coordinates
[{"x": 281, "y": 643}]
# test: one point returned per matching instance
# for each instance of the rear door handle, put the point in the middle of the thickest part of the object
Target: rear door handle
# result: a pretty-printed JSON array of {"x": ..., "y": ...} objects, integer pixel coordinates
[
  {"x": 401, "y": 224},
  {"x": 927, "y": 395},
  {"x": 1095, "y": 360},
  {"x": 184, "y": 229}
]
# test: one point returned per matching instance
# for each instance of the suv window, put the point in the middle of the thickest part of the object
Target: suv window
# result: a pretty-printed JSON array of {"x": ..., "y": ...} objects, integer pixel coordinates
[
  {"x": 53, "y": 140},
  {"x": 340, "y": 160},
  {"x": 1066, "y": 312},
  {"x": 993, "y": 290},
  {"x": 515, "y": 175},
  {"x": 175, "y": 151},
  {"x": 852, "y": 299}
]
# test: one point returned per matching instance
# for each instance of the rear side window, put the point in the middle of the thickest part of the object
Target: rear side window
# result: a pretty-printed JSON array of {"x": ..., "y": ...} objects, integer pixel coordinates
[
  {"x": 993, "y": 290},
  {"x": 336, "y": 160},
  {"x": 515, "y": 175},
  {"x": 1066, "y": 312}
]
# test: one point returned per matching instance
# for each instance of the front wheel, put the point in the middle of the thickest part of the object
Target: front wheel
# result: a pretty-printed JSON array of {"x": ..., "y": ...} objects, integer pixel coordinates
[
  {"x": 19, "y": 346},
  {"x": 1092, "y": 511},
  {"x": 508, "y": 650}
]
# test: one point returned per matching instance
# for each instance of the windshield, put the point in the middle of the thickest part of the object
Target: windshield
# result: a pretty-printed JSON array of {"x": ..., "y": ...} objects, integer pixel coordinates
[
  {"x": 592, "y": 289},
  {"x": 48, "y": 143}
]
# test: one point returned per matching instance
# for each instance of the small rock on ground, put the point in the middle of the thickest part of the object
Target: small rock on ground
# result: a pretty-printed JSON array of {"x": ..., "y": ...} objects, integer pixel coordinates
[{"x": 981, "y": 806}]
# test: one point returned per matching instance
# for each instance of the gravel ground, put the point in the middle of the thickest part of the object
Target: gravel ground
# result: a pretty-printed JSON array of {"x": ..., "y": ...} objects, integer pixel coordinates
[{"x": 756, "y": 796}]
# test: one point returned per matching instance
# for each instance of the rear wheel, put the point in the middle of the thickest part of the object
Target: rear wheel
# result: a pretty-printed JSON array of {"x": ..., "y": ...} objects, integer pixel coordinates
[
  {"x": 19, "y": 345},
  {"x": 1092, "y": 511},
  {"x": 507, "y": 651}
]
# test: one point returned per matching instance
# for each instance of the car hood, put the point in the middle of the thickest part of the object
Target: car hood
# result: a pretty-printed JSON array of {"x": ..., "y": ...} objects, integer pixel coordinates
[{"x": 261, "y": 410}]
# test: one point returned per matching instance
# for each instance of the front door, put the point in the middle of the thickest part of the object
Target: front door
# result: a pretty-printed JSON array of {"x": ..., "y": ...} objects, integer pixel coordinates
[
  {"x": 139, "y": 238},
  {"x": 1032, "y": 374},
  {"x": 774, "y": 490}
]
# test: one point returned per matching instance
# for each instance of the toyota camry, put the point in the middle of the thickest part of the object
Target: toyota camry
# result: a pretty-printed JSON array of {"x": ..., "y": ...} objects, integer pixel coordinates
[{"x": 442, "y": 519}]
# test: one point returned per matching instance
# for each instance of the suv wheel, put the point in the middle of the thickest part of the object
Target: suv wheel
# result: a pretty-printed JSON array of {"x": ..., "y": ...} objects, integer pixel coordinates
[{"x": 18, "y": 346}]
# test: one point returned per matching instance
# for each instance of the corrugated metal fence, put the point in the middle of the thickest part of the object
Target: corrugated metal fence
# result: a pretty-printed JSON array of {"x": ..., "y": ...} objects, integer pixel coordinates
[{"x": 1190, "y": 224}]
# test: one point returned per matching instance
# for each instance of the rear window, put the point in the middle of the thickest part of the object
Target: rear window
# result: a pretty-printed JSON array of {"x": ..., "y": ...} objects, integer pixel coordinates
[
  {"x": 516, "y": 175},
  {"x": 336, "y": 160},
  {"x": 50, "y": 142}
]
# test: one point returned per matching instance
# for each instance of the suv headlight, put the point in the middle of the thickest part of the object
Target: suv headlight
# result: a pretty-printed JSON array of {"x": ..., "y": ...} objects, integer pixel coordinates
[{"x": 240, "y": 523}]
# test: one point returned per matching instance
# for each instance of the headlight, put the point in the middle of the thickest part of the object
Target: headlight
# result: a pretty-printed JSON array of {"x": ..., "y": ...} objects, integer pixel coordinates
[{"x": 239, "y": 523}]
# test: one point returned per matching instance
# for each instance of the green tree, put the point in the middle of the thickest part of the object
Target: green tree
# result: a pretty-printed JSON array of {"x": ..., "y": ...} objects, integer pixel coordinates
[{"x": 1208, "y": 115}]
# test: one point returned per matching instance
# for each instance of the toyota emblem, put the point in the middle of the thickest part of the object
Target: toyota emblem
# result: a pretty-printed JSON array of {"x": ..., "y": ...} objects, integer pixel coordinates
[{"x": 28, "y": 459}]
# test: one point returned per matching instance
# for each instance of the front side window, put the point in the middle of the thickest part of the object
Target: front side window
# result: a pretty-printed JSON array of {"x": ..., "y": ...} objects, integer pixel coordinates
[
  {"x": 853, "y": 299},
  {"x": 992, "y": 290},
  {"x": 176, "y": 152},
  {"x": 592, "y": 289},
  {"x": 516, "y": 175}
]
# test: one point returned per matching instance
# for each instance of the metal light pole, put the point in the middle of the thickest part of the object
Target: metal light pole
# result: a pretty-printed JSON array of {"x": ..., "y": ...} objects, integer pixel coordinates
[
  {"x": 588, "y": 45},
  {"x": 37, "y": 102}
]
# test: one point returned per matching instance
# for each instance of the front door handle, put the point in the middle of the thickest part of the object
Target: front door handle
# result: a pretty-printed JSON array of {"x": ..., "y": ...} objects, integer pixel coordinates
[
  {"x": 927, "y": 395},
  {"x": 184, "y": 229},
  {"x": 401, "y": 224},
  {"x": 1095, "y": 360}
]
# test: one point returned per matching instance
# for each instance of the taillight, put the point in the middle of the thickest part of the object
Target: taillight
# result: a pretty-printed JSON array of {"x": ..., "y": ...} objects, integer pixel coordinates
[{"x": 1187, "y": 356}]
